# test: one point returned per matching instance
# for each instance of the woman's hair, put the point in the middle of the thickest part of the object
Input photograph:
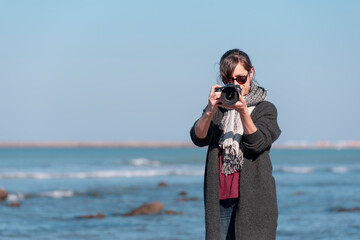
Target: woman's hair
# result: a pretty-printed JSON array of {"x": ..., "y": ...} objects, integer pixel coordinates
[{"x": 230, "y": 60}]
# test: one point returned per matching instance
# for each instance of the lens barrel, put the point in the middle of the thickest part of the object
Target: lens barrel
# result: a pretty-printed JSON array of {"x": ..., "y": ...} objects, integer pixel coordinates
[{"x": 230, "y": 94}]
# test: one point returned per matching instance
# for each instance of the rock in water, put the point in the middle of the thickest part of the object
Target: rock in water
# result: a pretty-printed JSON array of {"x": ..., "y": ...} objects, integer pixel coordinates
[
  {"x": 147, "y": 208},
  {"x": 163, "y": 184},
  {"x": 343, "y": 209},
  {"x": 3, "y": 194},
  {"x": 15, "y": 204},
  {"x": 188, "y": 199},
  {"x": 99, "y": 215},
  {"x": 173, "y": 212}
]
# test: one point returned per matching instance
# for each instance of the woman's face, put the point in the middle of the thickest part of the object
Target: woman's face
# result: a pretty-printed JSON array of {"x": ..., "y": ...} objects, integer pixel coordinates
[{"x": 241, "y": 71}]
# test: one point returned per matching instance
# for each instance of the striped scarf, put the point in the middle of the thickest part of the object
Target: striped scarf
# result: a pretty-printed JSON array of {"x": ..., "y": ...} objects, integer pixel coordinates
[{"x": 232, "y": 131}]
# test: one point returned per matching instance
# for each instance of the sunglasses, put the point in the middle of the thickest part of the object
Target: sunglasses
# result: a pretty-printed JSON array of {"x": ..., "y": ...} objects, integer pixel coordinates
[{"x": 239, "y": 79}]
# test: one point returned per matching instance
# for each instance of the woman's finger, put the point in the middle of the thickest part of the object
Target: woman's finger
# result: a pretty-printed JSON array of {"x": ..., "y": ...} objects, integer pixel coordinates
[{"x": 213, "y": 88}]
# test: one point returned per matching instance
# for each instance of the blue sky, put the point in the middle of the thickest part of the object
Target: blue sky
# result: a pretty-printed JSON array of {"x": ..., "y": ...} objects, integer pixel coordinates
[{"x": 142, "y": 70}]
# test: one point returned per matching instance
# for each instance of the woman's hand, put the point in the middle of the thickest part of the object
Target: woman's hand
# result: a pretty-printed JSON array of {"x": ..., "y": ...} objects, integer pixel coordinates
[
  {"x": 202, "y": 125},
  {"x": 214, "y": 100},
  {"x": 248, "y": 124},
  {"x": 239, "y": 106}
]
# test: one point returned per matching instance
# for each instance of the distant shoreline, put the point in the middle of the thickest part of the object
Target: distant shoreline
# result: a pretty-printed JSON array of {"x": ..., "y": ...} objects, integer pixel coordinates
[
  {"x": 134, "y": 144},
  {"x": 157, "y": 144}
]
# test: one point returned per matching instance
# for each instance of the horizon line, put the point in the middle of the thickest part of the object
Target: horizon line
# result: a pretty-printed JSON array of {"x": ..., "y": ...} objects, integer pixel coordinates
[{"x": 165, "y": 144}]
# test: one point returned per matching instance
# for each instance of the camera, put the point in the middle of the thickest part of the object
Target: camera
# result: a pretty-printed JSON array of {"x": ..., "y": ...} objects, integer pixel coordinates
[{"x": 229, "y": 94}]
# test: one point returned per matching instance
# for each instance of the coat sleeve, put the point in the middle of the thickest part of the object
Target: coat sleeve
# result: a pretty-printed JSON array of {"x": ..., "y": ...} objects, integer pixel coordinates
[
  {"x": 265, "y": 120},
  {"x": 213, "y": 133}
]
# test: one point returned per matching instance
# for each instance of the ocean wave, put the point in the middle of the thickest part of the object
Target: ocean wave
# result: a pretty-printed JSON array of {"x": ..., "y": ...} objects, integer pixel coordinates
[
  {"x": 144, "y": 162},
  {"x": 100, "y": 174},
  {"x": 58, "y": 194},
  {"x": 302, "y": 170},
  {"x": 15, "y": 197},
  {"x": 305, "y": 170},
  {"x": 158, "y": 171},
  {"x": 339, "y": 169}
]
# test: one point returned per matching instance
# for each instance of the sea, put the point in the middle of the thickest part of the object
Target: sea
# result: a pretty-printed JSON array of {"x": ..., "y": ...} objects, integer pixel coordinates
[{"x": 62, "y": 190}]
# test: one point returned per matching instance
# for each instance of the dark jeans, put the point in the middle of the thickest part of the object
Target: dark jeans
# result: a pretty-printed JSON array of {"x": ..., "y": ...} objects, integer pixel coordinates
[{"x": 227, "y": 218}]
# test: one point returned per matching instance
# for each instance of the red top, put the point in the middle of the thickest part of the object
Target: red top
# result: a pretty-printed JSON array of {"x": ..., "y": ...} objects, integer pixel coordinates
[{"x": 229, "y": 185}]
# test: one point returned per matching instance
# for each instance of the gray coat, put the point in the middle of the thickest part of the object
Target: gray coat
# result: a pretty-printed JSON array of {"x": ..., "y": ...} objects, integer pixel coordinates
[{"x": 257, "y": 212}]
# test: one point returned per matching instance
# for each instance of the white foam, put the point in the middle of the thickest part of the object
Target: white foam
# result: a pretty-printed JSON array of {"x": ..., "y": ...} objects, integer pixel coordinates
[
  {"x": 101, "y": 174},
  {"x": 189, "y": 173},
  {"x": 58, "y": 194},
  {"x": 302, "y": 170},
  {"x": 15, "y": 197},
  {"x": 144, "y": 162},
  {"x": 339, "y": 169}
]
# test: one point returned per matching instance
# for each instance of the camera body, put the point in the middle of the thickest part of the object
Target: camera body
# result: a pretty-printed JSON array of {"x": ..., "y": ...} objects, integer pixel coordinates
[{"x": 230, "y": 94}]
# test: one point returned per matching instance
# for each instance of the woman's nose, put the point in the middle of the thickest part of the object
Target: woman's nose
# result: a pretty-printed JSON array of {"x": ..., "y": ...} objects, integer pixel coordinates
[{"x": 234, "y": 82}]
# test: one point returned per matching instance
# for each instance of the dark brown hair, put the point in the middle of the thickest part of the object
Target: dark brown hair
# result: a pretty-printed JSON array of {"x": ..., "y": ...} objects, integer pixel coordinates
[{"x": 230, "y": 60}]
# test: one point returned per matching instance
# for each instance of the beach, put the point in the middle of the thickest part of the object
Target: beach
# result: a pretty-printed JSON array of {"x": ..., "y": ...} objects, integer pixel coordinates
[{"x": 84, "y": 192}]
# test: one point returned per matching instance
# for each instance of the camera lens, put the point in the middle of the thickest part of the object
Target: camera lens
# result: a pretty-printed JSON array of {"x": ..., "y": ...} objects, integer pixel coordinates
[{"x": 229, "y": 96}]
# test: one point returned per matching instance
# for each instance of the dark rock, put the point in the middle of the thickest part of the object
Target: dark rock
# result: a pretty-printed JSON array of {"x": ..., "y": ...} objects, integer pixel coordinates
[
  {"x": 188, "y": 199},
  {"x": 163, "y": 184},
  {"x": 183, "y": 193},
  {"x": 15, "y": 204},
  {"x": 3, "y": 194},
  {"x": 147, "y": 208},
  {"x": 28, "y": 195},
  {"x": 172, "y": 212},
  {"x": 99, "y": 215},
  {"x": 342, "y": 209}
]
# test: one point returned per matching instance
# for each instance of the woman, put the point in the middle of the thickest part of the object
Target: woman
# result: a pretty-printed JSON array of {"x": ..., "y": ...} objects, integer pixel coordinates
[{"x": 239, "y": 189}]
